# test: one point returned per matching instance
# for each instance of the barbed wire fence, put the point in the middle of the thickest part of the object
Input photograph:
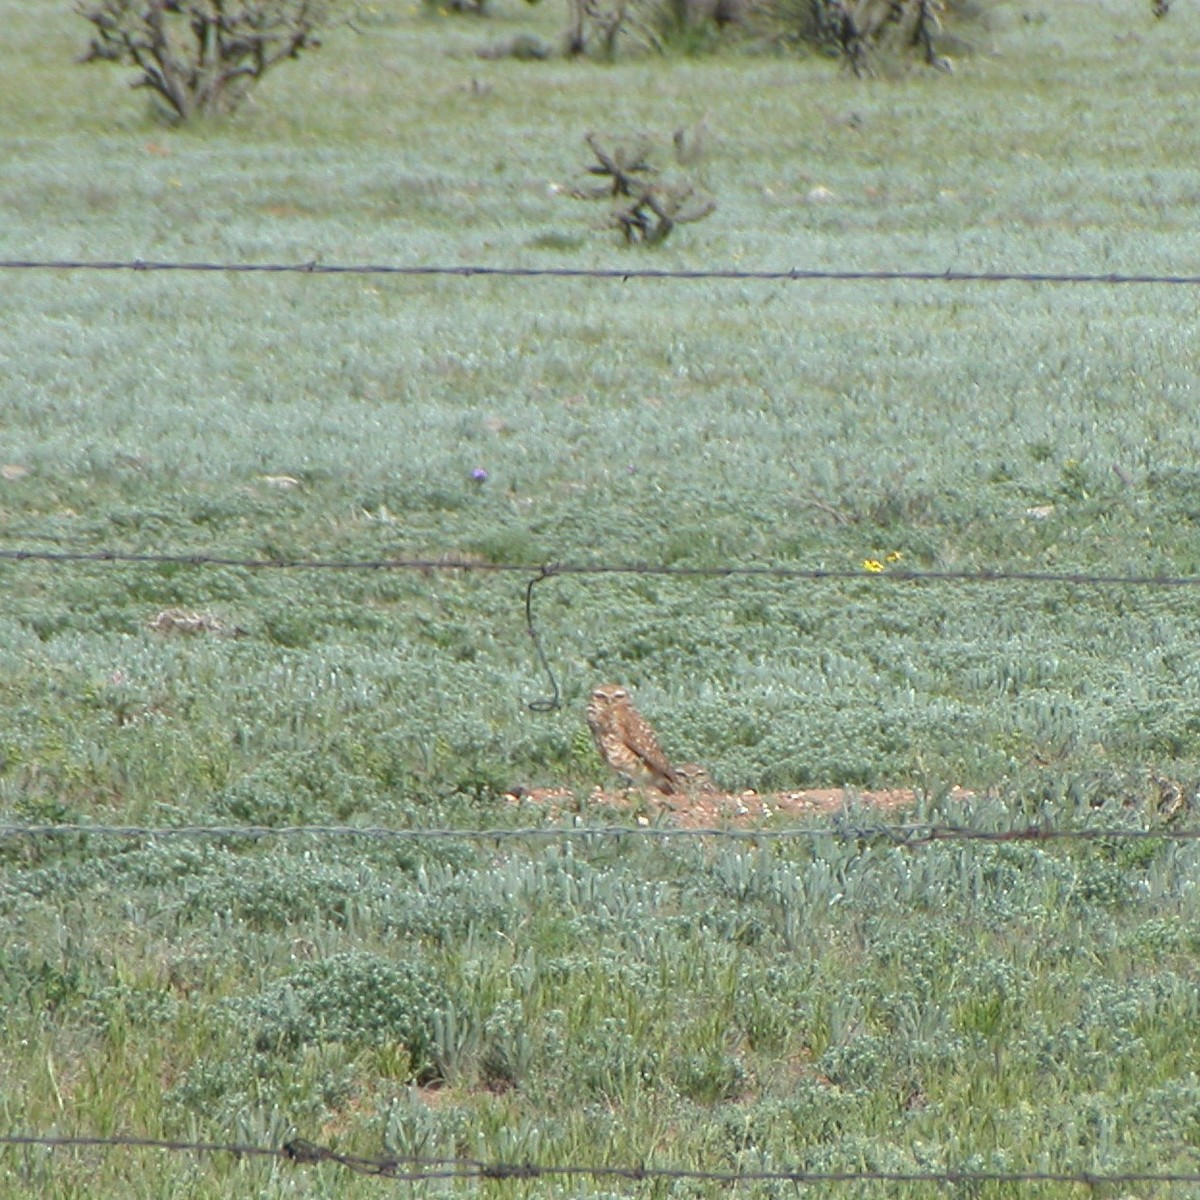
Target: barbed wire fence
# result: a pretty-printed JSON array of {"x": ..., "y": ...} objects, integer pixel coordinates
[
  {"x": 415, "y": 1169},
  {"x": 550, "y": 569},
  {"x": 912, "y": 835},
  {"x": 621, "y": 274},
  {"x": 906, "y": 835},
  {"x": 300, "y": 1152}
]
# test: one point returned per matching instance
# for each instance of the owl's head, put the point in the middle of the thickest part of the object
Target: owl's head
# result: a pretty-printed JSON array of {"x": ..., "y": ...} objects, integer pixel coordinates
[{"x": 606, "y": 695}]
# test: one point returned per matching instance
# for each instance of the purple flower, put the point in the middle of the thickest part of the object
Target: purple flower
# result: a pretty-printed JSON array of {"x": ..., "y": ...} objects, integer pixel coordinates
[{"x": 479, "y": 475}]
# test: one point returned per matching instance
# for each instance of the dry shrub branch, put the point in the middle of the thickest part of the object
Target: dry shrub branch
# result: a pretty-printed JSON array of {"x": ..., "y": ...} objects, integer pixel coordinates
[
  {"x": 201, "y": 57},
  {"x": 856, "y": 29}
]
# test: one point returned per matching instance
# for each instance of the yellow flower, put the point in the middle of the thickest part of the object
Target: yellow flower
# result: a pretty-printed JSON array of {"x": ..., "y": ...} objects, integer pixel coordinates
[
  {"x": 873, "y": 565},
  {"x": 895, "y": 556}
]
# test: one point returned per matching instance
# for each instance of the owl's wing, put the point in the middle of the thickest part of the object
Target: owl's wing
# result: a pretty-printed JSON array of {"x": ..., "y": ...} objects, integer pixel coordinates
[{"x": 650, "y": 752}]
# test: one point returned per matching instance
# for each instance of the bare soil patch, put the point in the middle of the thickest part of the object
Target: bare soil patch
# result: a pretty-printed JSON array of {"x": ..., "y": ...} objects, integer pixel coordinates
[{"x": 714, "y": 809}]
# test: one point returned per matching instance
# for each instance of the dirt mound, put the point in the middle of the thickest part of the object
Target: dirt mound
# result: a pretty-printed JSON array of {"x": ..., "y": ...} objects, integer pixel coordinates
[{"x": 715, "y": 809}]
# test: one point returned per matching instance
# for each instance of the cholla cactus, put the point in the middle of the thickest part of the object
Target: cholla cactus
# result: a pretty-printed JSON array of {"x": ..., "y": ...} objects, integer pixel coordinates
[
  {"x": 854, "y": 27},
  {"x": 647, "y": 207},
  {"x": 201, "y": 57},
  {"x": 658, "y": 209}
]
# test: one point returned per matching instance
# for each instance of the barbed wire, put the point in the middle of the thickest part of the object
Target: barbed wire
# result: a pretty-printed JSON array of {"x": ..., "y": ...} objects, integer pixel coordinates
[
  {"x": 622, "y": 274},
  {"x": 550, "y": 569},
  {"x": 413, "y": 1169},
  {"x": 910, "y": 835}
]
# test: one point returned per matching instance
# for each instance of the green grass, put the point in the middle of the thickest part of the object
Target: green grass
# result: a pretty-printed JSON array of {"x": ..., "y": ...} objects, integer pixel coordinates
[{"x": 821, "y": 1006}]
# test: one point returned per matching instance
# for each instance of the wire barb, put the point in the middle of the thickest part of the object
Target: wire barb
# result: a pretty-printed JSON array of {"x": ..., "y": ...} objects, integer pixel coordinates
[{"x": 301, "y": 1151}]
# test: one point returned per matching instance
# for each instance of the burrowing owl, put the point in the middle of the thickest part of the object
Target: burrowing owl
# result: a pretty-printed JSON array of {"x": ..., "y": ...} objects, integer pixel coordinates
[{"x": 625, "y": 740}]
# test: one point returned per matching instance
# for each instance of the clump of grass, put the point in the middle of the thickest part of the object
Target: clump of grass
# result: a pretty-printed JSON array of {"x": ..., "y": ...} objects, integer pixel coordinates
[{"x": 357, "y": 998}]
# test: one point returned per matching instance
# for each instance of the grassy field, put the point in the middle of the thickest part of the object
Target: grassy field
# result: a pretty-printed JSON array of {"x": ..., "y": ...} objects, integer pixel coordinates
[{"x": 815, "y": 1004}]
